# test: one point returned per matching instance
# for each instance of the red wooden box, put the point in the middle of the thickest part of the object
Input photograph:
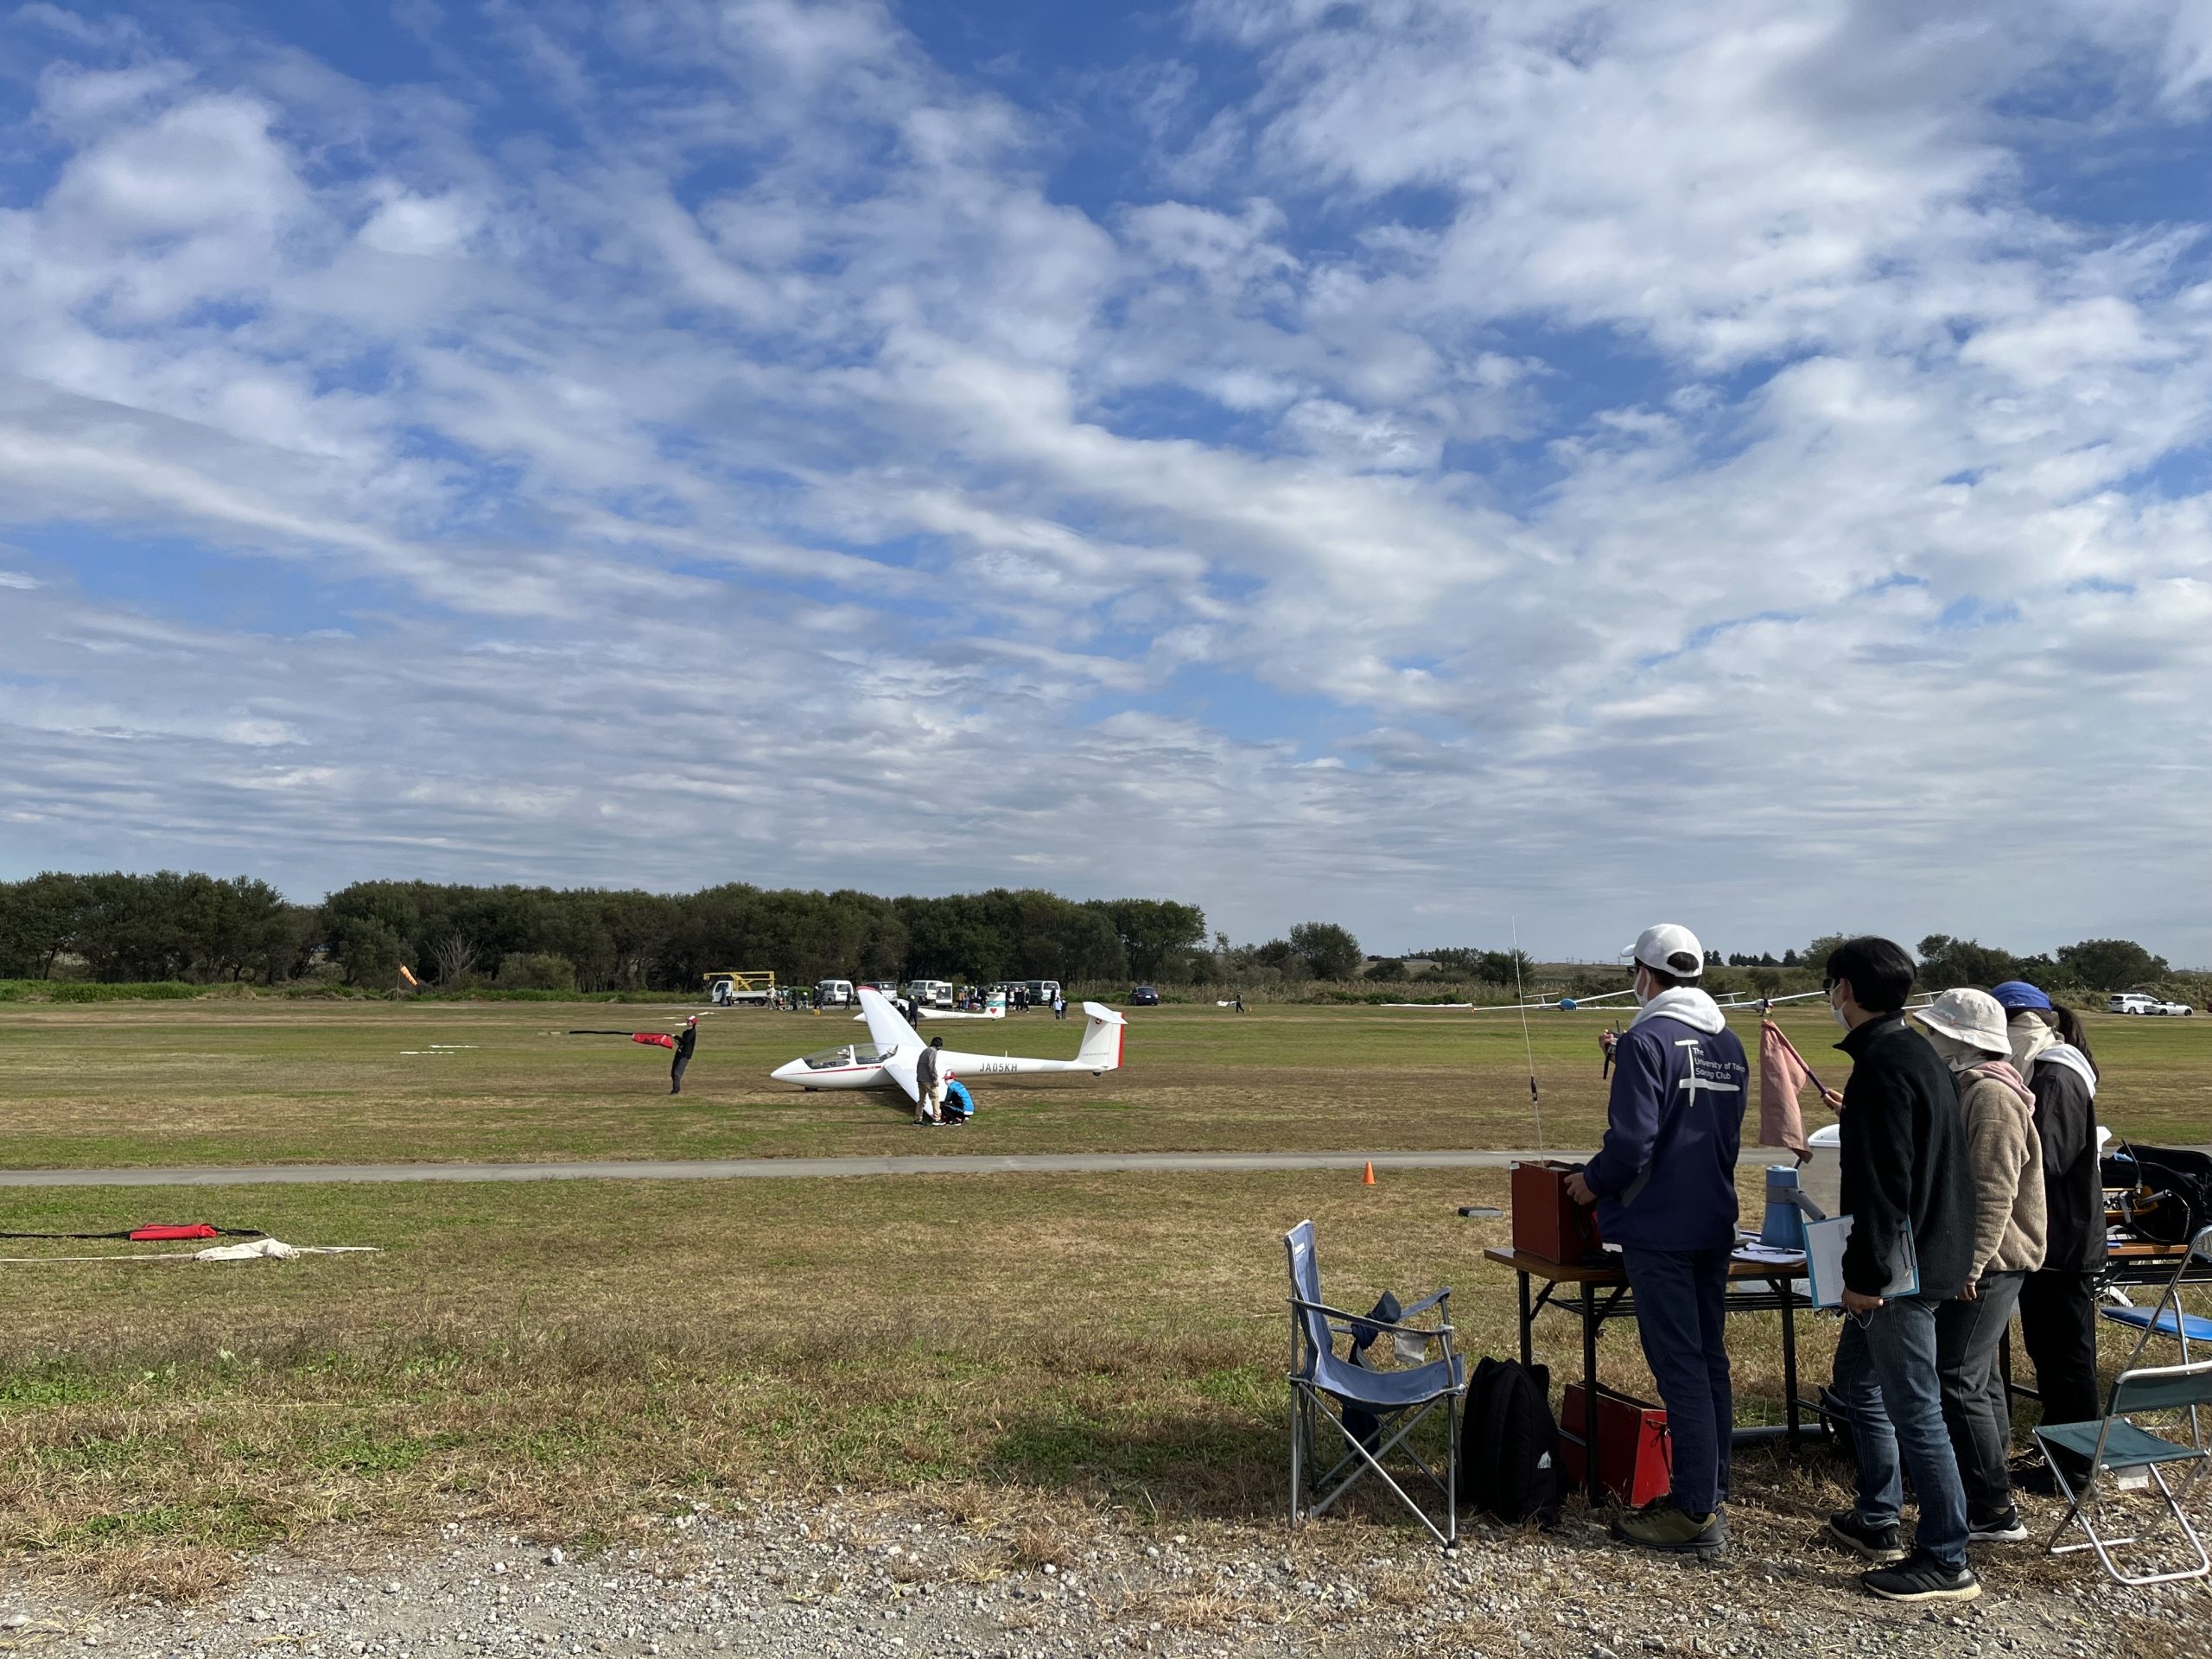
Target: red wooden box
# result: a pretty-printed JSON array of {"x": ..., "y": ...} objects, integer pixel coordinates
[
  {"x": 1635, "y": 1461},
  {"x": 1546, "y": 1222}
]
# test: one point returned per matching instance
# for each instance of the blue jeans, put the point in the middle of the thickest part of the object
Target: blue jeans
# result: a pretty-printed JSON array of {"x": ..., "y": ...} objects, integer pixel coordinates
[
  {"x": 1680, "y": 1300},
  {"x": 1887, "y": 1376}
]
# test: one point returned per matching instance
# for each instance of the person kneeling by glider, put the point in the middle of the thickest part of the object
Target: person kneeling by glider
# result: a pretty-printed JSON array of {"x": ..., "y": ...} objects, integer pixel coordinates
[{"x": 959, "y": 1104}]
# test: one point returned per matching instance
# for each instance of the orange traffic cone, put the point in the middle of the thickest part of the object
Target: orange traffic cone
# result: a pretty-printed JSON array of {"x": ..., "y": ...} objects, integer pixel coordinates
[{"x": 1368, "y": 1180}]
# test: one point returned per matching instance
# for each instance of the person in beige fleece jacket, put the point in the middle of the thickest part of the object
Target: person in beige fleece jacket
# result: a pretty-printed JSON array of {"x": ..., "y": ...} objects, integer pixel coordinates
[{"x": 2005, "y": 1153}]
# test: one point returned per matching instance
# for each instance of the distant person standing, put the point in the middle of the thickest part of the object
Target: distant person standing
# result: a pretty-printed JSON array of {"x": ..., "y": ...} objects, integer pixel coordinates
[
  {"x": 929, "y": 1079},
  {"x": 1909, "y": 1188},
  {"x": 1059, "y": 1005},
  {"x": 1967, "y": 1029},
  {"x": 1664, "y": 1182},
  {"x": 686, "y": 1040},
  {"x": 2058, "y": 1300}
]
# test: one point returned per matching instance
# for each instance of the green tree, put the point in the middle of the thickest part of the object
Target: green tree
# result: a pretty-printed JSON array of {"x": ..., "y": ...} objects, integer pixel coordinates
[
  {"x": 367, "y": 947},
  {"x": 537, "y": 970},
  {"x": 1946, "y": 962},
  {"x": 2112, "y": 964},
  {"x": 1158, "y": 938},
  {"x": 1328, "y": 951}
]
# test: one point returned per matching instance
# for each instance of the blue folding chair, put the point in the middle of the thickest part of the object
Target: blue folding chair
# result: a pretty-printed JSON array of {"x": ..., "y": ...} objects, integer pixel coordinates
[
  {"x": 1396, "y": 1402},
  {"x": 2120, "y": 1455},
  {"x": 2167, "y": 1317}
]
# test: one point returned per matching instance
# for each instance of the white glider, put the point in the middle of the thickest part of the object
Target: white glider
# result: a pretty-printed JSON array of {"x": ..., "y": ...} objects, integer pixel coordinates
[{"x": 887, "y": 1061}]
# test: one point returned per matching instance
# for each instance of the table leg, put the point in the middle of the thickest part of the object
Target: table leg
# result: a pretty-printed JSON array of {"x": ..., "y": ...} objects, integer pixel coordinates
[
  {"x": 1789, "y": 1354},
  {"x": 1590, "y": 1394},
  {"x": 1527, "y": 1322}
]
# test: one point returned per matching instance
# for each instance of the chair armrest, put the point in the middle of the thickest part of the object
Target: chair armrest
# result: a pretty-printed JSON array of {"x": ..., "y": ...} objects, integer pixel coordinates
[
  {"x": 1442, "y": 1299},
  {"x": 1366, "y": 1324}
]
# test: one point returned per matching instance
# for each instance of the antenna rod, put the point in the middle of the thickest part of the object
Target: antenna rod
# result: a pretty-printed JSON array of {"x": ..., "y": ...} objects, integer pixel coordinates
[{"x": 1535, "y": 1103}]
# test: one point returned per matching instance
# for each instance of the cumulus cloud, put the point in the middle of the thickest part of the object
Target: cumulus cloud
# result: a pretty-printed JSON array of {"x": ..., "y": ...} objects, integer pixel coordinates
[{"x": 1470, "y": 459}]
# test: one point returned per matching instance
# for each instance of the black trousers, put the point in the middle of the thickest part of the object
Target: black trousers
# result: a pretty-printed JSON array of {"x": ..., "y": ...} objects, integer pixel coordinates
[
  {"x": 676, "y": 1073},
  {"x": 2058, "y": 1323}
]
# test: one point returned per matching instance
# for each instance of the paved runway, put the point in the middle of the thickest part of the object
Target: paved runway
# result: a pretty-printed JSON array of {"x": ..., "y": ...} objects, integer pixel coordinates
[{"x": 741, "y": 1169}]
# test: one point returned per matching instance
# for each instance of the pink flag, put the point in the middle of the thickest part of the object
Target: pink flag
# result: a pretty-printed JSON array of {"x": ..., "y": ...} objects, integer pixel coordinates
[{"x": 1782, "y": 1072}]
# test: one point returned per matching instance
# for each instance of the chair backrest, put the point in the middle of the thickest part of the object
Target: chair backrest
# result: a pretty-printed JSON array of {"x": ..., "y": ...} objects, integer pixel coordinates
[
  {"x": 2162, "y": 1388},
  {"x": 1308, "y": 1323},
  {"x": 2202, "y": 1244}
]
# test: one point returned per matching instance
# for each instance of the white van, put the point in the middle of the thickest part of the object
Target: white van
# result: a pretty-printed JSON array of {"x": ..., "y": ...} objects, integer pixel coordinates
[
  {"x": 2134, "y": 1002},
  {"x": 833, "y": 993},
  {"x": 930, "y": 993},
  {"x": 1043, "y": 992}
]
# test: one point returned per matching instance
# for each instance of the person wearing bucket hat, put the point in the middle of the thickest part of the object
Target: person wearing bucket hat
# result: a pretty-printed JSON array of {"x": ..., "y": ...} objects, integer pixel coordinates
[
  {"x": 2058, "y": 1300},
  {"x": 1664, "y": 1182},
  {"x": 1969, "y": 1031}
]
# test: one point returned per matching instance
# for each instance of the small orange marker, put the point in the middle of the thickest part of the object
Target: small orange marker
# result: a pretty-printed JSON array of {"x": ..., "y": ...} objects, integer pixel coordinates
[{"x": 1368, "y": 1180}]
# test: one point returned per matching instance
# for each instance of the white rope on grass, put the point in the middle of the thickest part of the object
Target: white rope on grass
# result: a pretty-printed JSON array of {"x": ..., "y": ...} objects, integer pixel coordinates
[{"x": 257, "y": 1251}]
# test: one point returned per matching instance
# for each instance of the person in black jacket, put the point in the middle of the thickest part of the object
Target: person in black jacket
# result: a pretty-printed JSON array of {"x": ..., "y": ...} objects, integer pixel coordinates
[
  {"x": 2058, "y": 1303},
  {"x": 686, "y": 1040},
  {"x": 1909, "y": 1188}
]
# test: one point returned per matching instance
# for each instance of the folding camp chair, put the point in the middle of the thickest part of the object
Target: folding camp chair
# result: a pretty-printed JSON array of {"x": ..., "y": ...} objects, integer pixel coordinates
[
  {"x": 1396, "y": 1402},
  {"x": 2119, "y": 1454},
  {"x": 2167, "y": 1317}
]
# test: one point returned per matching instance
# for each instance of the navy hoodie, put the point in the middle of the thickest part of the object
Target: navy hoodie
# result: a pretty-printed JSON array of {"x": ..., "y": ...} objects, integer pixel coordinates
[{"x": 1665, "y": 1176}]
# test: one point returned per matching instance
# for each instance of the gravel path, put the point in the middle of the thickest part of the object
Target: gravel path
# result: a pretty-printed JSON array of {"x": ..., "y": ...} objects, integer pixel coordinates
[{"x": 897, "y": 1579}]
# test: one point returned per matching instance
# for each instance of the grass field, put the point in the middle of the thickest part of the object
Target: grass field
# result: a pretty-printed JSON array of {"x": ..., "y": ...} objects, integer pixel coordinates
[
  {"x": 574, "y": 1357},
  {"x": 176, "y": 1084}
]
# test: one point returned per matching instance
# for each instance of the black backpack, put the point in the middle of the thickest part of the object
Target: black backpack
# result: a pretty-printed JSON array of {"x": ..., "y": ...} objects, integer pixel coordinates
[
  {"x": 1508, "y": 1444},
  {"x": 2171, "y": 1188}
]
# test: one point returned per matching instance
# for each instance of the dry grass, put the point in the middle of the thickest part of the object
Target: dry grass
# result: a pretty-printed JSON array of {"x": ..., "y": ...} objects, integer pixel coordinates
[
  {"x": 584, "y": 1361},
  {"x": 218, "y": 1082}
]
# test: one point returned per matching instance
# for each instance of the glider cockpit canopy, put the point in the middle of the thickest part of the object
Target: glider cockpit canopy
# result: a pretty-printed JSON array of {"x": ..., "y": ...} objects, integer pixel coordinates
[{"x": 829, "y": 1059}]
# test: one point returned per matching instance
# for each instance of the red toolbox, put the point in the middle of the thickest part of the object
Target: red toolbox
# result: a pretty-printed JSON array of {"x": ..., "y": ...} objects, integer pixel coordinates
[
  {"x": 1546, "y": 1222},
  {"x": 1635, "y": 1460}
]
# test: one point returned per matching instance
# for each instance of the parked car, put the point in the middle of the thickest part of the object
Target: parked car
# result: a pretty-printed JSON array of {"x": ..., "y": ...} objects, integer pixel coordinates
[
  {"x": 2132, "y": 1002},
  {"x": 1145, "y": 997},
  {"x": 2174, "y": 1008}
]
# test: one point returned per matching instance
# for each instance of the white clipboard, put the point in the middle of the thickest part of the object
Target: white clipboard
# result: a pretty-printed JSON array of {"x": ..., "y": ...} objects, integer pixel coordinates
[{"x": 1824, "y": 1243}]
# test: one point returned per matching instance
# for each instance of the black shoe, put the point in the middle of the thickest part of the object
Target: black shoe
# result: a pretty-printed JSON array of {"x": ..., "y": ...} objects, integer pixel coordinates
[
  {"x": 1921, "y": 1577},
  {"x": 2001, "y": 1527},
  {"x": 1875, "y": 1543}
]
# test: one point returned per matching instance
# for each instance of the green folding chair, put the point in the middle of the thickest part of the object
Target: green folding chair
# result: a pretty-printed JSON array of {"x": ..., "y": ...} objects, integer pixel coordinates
[{"x": 2120, "y": 1457}]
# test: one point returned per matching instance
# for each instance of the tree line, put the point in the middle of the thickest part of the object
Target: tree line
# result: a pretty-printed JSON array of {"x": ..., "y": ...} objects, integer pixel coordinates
[{"x": 119, "y": 928}]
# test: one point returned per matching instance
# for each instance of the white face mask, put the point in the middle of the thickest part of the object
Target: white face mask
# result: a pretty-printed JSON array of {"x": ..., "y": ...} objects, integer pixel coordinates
[
  {"x": 1836, "y": 1014},
  {"x": 1638, "y": 988}
]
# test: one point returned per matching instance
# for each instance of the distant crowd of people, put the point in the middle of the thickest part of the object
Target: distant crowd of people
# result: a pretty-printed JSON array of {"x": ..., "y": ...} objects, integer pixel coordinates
[{"x": 1969, "y": 1162}]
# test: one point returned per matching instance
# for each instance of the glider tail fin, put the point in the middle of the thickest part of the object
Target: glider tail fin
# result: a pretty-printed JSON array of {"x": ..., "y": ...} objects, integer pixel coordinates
[{"x": 1102, "y": 1039}]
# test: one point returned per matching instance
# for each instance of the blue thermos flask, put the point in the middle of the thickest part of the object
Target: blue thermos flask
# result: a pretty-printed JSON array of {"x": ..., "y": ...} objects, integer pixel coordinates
[{"x": 1785, "y": 1223}]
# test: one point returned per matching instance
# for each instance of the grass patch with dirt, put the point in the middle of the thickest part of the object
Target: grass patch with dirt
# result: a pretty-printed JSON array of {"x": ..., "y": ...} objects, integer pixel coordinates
[{"x": 261, "y": 1082}]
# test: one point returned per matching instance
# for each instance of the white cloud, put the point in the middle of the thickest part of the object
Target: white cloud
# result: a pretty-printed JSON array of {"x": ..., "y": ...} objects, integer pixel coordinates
[{"x": 1531, "y": 447}]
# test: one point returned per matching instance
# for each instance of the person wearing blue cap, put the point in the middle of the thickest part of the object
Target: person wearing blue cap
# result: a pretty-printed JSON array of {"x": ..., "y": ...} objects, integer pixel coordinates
[{"x": 2058, "y": 1300}]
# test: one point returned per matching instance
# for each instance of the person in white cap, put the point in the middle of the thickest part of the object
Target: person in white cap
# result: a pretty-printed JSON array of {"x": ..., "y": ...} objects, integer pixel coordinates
[
  {"x": 1664, "y": 1182},
  {"x": 1969, "y": 1031}
]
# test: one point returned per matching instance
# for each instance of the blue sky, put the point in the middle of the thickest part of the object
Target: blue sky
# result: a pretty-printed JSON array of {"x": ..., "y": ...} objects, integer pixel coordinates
[{"x": 1407, "y": 463}]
